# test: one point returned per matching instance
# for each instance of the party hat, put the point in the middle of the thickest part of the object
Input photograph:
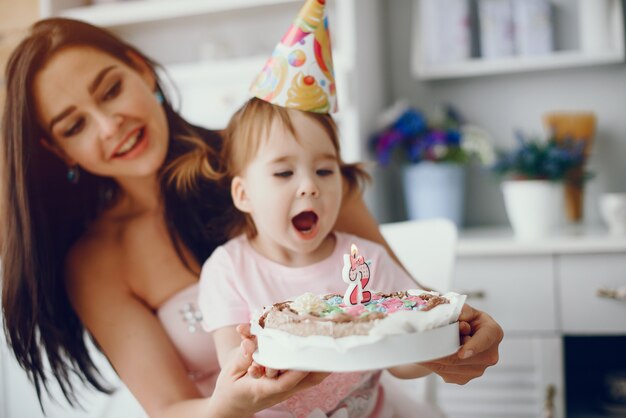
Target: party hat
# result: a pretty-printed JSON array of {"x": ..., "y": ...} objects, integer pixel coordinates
[{"x": 299, "y": 74}]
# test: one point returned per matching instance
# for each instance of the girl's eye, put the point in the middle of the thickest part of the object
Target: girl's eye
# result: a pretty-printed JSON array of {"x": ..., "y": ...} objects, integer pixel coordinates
[
  {"x": 112, "y": 92},
  {"x": 75, "y": 128},
  {"x": 284, "y": 174},
  {"x": 324, "y": 172}
]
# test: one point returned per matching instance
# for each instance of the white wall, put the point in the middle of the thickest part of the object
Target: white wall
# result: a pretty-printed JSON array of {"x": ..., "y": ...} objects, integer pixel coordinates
[{"x": 505, "y": 102}]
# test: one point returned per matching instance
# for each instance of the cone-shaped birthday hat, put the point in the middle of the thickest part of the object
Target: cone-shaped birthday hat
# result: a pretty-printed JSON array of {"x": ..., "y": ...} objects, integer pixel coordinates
[{"x": 300, "y": 74}]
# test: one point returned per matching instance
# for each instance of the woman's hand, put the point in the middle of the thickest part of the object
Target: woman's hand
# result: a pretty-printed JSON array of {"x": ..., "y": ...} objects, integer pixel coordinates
[
  {"x": 249, "y": 344},
  {"x": 480, "y": 338},
  {"x": 240, "y": 394}
]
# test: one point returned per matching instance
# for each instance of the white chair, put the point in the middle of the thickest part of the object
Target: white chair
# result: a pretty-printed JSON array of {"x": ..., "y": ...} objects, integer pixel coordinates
[{"x": 427, "y": 249}]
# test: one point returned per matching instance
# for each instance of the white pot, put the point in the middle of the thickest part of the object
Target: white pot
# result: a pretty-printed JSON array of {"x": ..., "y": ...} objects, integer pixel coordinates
[
  {"x": 534, "y": 207},
  {"x": 613, "y": 211},
  {"x": 435, "y": 190}
]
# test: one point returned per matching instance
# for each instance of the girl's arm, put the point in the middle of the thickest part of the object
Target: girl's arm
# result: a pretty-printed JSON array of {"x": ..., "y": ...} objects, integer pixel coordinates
[{"x": 227, "y": 342}]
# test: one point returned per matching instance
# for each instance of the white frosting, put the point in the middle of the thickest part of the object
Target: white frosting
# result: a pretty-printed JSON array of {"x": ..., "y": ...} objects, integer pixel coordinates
[{"x": 308, "y": 303}]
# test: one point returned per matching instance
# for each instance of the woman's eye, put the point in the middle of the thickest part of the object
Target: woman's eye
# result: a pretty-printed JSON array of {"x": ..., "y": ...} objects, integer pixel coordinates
[
  {"x": 283, "y": 174},
  {"x": 75, "y": 128},
  {"x": 324, "y": 172},
  {"x": 112, "y": 92}
]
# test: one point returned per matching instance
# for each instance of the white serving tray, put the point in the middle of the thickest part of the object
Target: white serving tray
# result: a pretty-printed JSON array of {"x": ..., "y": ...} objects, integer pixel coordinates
[{"x": 282, "y": 351}]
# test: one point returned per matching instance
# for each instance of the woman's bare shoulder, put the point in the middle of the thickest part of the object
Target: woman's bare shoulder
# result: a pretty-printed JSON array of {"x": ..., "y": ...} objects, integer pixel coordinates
[
  {"x": 97, "y": 255},
  {"x": 133, "y": 254}
]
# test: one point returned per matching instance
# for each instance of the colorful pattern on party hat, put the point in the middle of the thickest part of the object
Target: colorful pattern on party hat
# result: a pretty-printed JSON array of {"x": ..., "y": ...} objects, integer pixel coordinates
[{"x": 299, "y": 74}]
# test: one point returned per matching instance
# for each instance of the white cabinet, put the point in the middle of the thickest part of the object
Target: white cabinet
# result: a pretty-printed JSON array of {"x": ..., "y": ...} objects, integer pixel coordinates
[
  {"x": 540, "y": 292},
  {"x": 580, "y": 280},
  {"x": 213, "y": 49},
  {"x": 517, "y": 291},
  {"x": 572, "y": 50},
  {"x": 528, "y": 375}
]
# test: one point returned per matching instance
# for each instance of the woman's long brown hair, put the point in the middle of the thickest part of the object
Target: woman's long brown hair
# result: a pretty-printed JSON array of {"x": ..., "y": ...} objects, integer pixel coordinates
[{"x": 43, "y": 214}]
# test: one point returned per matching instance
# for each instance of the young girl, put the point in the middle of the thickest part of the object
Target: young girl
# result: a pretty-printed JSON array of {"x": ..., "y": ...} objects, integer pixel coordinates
[{"x": 287, "y": 181}]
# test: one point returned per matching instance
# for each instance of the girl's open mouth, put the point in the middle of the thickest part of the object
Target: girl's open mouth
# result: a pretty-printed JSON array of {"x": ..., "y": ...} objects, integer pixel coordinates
[{"x": 306, "y": 224}]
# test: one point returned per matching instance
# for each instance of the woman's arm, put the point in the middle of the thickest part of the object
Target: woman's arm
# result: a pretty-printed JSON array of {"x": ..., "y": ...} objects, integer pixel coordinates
[
  {"x": 355, "y": 218},
  {"x": 133, "y": 339}
]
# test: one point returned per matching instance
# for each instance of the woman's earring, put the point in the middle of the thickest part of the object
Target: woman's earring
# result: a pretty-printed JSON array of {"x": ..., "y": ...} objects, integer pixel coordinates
[
  {"x": 159, "y": 97},
  {"x": 73, "y": 174}
]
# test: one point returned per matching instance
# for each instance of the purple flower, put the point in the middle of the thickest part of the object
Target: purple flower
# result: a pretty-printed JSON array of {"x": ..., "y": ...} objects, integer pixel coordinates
[{"x": 412, "y": 133}]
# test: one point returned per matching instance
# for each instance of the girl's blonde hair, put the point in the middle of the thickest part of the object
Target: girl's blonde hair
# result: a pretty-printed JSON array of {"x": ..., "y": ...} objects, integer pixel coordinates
[{"x": 243, "y": 137}]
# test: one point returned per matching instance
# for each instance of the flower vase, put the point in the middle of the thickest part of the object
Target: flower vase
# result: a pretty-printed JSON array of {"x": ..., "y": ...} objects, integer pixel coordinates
[
  {"x": 434, "y": 190},
  {"x": 534, "y": 207}
]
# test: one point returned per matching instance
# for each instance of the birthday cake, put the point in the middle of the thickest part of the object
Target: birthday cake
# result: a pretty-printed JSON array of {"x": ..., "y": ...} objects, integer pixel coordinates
[
  {"x": 323, "y": 333},
  {"x": 328, "y": 315}
]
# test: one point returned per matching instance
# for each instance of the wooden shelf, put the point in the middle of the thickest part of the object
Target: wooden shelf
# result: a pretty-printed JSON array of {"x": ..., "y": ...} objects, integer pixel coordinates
[{"x": 144, "y": 11}]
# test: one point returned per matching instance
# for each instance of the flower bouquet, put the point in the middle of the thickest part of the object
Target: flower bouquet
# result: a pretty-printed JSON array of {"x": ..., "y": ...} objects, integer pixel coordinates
[
  {"x": 442, "y": 138},
  {"x": 435, "y": 150},
  {"x": 535, "y": 159},
  {"x": 534, "y": 174}
]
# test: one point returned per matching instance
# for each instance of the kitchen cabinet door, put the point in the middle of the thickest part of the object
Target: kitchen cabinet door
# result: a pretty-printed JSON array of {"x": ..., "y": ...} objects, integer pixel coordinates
[
  {"x": 527, "y": 378},
  {"x": 581, "y": 278},
  {"x": 518, "y": 291}
]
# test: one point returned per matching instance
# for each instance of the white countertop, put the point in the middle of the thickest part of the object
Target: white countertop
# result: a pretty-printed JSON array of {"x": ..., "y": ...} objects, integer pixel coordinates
[{"x": 476, "y": 242}]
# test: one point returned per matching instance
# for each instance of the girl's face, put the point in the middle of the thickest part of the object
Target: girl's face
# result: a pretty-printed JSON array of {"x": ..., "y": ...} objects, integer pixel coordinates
[
  {"x": 292, "y": 189},
  {"x": 101, "y": 113}
]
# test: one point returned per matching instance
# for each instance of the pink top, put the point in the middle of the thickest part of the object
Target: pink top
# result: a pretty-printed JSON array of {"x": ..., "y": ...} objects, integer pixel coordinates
[
  {"x": 181, "y": 319},
  {"x": 236, "y": 281}
]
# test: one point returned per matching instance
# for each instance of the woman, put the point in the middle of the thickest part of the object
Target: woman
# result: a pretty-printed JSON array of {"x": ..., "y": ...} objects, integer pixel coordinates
[{"x": 113, "y": 201}]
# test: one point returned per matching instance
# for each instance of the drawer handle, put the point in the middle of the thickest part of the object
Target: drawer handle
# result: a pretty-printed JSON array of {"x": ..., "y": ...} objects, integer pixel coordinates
[
  {"x": 548, "y": 402},
  {"x": 618, "y": 294}
]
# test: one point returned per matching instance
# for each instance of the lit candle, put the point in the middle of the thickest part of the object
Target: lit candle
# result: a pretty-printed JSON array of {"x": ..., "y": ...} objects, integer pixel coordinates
[{"x": 356, "y": 273}]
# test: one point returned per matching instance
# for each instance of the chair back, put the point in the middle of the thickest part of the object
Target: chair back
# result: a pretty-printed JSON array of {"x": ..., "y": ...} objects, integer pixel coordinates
[{"x": 426, "y": 248}]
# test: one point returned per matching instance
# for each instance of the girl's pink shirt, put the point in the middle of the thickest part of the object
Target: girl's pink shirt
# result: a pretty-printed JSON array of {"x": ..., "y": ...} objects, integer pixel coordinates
[{"x": 236, "y": 281}]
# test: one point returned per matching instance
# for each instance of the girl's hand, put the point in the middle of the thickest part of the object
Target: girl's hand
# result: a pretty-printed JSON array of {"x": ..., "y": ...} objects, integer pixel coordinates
[
  {"x": 239, "y": 394},
  {"x": 480, "y": 338}
]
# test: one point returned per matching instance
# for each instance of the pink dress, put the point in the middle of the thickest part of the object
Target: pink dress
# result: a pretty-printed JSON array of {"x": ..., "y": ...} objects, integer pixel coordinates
[{"x": 182, "y": 319}]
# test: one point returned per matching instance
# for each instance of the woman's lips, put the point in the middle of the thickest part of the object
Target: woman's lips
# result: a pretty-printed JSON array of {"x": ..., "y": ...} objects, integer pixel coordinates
[{"x": 140, "y": 140}]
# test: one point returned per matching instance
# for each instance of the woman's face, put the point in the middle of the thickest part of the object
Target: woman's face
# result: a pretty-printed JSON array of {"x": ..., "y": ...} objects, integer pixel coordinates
[{"x": 101, "y": 113}]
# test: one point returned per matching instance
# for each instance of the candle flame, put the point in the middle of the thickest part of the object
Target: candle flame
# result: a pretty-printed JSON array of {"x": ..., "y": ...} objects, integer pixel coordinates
[{"x": 353, "y": 250}]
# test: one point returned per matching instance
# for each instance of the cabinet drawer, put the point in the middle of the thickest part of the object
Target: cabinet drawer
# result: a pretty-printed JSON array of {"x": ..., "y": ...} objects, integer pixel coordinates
[
  {"x": 579, "y": 278},
  {"x": 516, "y": 387},
  {"x": 517, "y": 291}
]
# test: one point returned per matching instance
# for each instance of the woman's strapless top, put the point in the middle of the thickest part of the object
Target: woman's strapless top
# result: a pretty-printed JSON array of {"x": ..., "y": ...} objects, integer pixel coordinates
[{"x": 182, "y": 321}]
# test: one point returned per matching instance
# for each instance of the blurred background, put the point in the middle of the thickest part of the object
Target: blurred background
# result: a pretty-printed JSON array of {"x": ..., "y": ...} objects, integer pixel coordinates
[{"x": 440, "y": 88}]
